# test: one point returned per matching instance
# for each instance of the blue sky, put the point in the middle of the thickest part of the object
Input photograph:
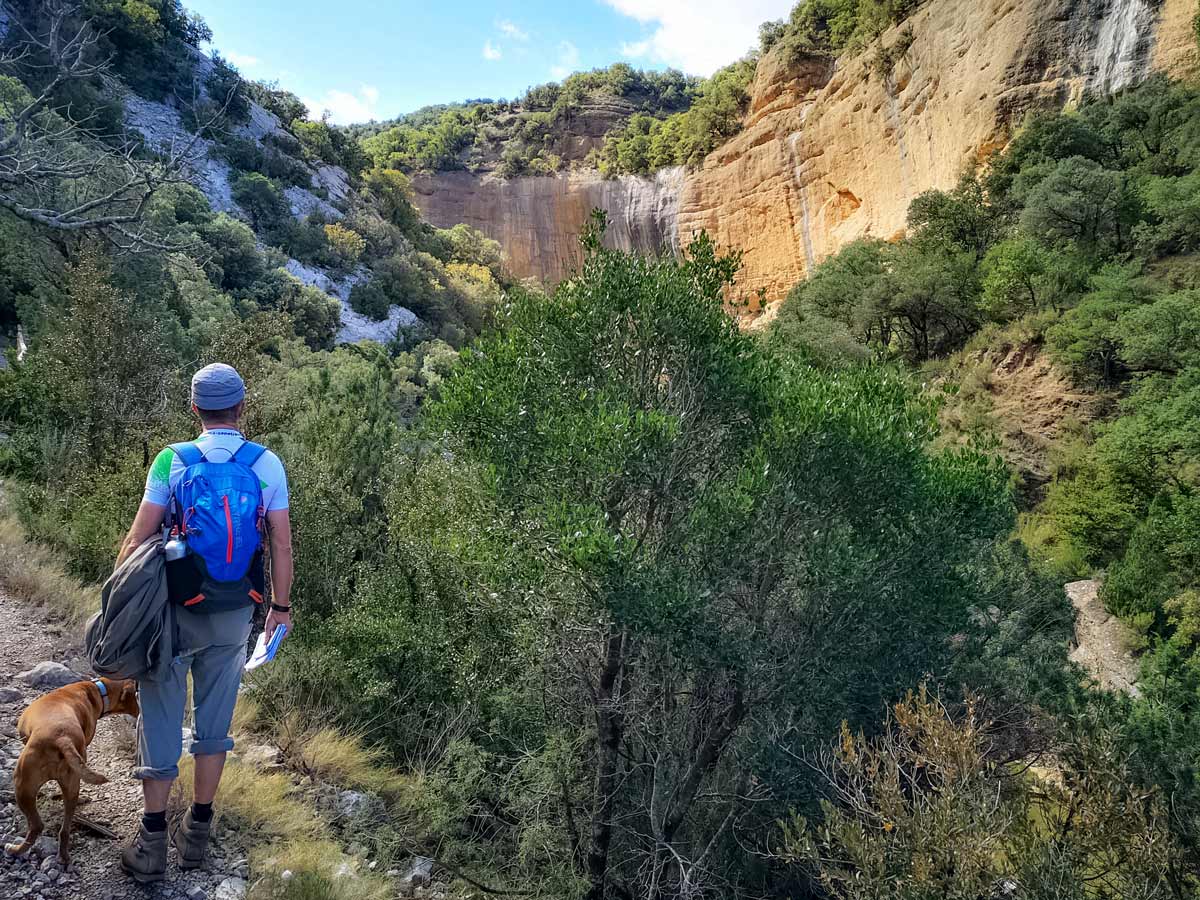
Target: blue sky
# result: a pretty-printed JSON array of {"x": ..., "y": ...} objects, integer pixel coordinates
[{"x": 363, "y": 59}]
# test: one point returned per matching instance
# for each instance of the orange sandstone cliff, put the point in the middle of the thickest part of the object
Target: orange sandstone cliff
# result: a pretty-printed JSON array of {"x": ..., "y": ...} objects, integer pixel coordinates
[{"x": 831, "y": 150}]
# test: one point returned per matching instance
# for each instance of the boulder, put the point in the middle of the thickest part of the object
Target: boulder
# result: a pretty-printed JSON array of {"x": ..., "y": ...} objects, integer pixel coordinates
[
  {"x": 334, "y": 180},
  {"x": 231, "y": 889},
  {"x": 264, "y": 758},
  {"x": 304, "y": 203},
  {"x": 352, "y": 803},
  {"x": 49, "y": 675},
  {"x": 11, "y": 695},
  {"x": 419, "y": 873}
]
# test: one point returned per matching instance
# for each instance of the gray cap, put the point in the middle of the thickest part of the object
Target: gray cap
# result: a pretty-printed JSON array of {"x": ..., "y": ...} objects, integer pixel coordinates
[{"x": 217, "y": 386}]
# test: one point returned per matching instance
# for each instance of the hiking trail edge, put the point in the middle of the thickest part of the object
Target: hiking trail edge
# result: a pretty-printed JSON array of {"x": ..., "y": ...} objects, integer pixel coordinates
[{"x": 29, "y": 636}]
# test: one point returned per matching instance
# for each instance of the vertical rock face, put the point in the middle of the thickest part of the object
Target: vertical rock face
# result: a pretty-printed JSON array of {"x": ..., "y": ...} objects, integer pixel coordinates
[
  {"x": 833, "y": 151},
  {"x": 1123, "y": 43},
  {"x": 538, "y": 220}
]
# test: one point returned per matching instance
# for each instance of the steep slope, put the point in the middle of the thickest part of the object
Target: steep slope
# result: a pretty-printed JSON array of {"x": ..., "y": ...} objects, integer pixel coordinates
[
  {"x": 832, "y": 150},
  {"x": 162, "y": 126}
]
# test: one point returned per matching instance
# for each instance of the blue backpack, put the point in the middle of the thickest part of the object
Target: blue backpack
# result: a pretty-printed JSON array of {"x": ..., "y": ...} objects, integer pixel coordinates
[{"x": 217, "y": 506}]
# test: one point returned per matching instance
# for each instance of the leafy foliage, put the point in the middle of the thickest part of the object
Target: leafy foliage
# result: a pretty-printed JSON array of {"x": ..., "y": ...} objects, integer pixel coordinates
[
  {"x": 647, "y": 143},
  {"x": 836, "y": 26},
  {"x": 530, "y": 135},
  {"x": 933, "y": 808},
  {"x": 655, "y": 456},
  {"x": 1081, "y": 231}
]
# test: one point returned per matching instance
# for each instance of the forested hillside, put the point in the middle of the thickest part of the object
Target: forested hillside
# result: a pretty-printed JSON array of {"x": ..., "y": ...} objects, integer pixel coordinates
[
  {"x": 621, "y": 120},
  {"x": 625, "y": 601}
]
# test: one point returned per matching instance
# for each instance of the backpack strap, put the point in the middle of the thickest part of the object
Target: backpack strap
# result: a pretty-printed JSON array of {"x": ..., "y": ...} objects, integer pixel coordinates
[
  {"x": 248, "y": 454},
  {"x": 189, "y": 453}
]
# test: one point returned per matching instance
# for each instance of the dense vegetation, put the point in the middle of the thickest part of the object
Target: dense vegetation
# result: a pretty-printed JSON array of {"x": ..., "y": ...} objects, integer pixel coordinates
[
  {"x": 648, "y": 143},
  {"x": 1079, "y": 239},
  {"x": 835, "y": 26},
  {"x": 531, "y": 135}
]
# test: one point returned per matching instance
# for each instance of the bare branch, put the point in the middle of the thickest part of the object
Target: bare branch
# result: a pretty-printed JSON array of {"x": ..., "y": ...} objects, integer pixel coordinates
[{"x": 55, "y": 170}]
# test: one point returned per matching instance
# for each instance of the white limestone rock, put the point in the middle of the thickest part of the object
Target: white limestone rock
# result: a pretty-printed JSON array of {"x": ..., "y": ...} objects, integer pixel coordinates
[
  {"x": 355, "y": 327},
  {"x": 163, "y": 130},
  {"x": 303, "y": 203},
  {"x": 231, "y": 889},
  {"x": 335, "y": 180}
]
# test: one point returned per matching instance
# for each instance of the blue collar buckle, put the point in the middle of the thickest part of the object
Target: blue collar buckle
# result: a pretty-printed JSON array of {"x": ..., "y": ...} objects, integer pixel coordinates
[{"x": 104, "y": 698}]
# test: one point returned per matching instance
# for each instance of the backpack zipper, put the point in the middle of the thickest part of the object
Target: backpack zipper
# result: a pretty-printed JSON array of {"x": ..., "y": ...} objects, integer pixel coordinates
[{"x": 228, "y": 530}]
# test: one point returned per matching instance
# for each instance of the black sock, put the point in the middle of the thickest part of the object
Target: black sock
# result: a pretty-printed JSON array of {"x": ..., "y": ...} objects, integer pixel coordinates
[
  {"x": 155, "y": 821},
  {"x": 201, "y": 812}
]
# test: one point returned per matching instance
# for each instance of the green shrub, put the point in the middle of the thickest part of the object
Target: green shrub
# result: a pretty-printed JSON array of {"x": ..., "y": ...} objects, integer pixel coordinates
[
  {"x": 262, "y": 201},
  {"x": 370, "y": 299}
]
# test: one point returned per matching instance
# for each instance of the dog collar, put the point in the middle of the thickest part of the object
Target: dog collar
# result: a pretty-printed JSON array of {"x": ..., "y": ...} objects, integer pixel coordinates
[{"x": 104, "y": 699}]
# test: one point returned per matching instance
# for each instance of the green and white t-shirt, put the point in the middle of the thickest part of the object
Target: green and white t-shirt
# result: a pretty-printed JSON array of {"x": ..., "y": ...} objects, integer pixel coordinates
[{"x": 217, "y": 445}]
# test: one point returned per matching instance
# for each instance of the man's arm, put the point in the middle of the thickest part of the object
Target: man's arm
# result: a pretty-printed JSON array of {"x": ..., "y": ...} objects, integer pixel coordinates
[
  {"x": 279, "y": 531},
  {"x": 146, "y": 523}
]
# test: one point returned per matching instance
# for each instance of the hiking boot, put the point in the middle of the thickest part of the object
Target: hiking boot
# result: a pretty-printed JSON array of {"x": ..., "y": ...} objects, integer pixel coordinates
[
  {"x": 146, "y": 856},
  {"x": 191, "y": 840}
]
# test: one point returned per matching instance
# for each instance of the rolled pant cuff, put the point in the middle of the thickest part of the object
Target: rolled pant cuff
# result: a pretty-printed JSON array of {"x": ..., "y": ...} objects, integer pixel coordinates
[
  {"x": 146, "y": 773},
  {"x": 211, "y": 746}
]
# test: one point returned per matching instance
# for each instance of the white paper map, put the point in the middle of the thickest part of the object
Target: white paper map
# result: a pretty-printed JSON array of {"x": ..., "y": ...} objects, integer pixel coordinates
[{"x": 264, "y": 652}]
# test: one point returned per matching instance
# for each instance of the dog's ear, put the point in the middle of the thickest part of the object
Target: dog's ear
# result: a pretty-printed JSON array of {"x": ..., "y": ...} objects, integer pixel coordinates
[{"x": 128, "y": 693}]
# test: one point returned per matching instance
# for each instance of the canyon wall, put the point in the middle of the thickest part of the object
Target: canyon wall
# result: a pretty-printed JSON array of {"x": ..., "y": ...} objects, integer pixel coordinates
[
  {"x": 538, "y": 219},
  {"x": 831, "y": 150}
]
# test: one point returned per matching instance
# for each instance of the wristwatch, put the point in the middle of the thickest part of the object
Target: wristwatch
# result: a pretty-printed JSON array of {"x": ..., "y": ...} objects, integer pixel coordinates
[{"x": 275, "y": 607}]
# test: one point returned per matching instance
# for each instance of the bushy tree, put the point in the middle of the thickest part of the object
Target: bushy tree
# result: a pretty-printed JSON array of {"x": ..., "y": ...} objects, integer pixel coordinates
[
  {"x": 262, "y": 201},
  {"x": 662, "y": 465},
  {"x": 957, "y": 220},
  {"x": 1087, "y": 339},
  {"x": 647, "y": 143},
  {"x": 346, "y": 244},
  {"x": 1079, "y": 201}
]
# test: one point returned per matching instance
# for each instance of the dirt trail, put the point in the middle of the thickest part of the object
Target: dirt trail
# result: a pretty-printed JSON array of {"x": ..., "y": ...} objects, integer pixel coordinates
[
  {"x": 1102, "y": 640},
  {"x": 29, "y": 636}
]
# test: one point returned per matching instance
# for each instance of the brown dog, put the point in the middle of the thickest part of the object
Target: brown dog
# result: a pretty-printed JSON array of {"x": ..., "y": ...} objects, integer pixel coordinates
[{"x": 57, "y": 730}]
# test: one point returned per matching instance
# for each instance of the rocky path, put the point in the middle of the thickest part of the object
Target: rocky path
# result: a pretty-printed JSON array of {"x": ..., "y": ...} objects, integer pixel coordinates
[
  {"x": 1101, "y": 640},
  {"x": 29, "y": 638}
]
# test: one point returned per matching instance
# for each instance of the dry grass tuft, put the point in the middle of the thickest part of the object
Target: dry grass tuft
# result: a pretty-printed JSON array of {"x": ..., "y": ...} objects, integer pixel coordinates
[
  {"x": 327, "y": 754},
  {"x": 290, "y": 837},
  {"x": 32, "y": 573},
  {"x": 259, "y": 802},
  {"x": 318, "y": 871},
  {"x": 247, "y": 715}
]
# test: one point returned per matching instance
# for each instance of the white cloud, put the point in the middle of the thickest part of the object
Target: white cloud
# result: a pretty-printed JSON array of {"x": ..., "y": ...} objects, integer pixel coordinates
[
  {"x": 512, "y": 30},
  {"x": 491, "y": 52},
  {"x": 345, "y": 108},
  {"x": 698, "y": 36},
  {"x": 637, "y": 49},
  {"x": 568, "y": 60},
  {"x": 242, "y": 60}
]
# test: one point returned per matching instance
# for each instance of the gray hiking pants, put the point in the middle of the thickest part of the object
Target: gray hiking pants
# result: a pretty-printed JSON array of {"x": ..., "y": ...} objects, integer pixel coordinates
[{"x": 213, "y": 647}]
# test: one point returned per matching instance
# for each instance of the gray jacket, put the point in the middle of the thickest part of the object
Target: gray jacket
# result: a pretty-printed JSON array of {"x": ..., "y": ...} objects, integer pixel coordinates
[{"x": 132, "y": 635}]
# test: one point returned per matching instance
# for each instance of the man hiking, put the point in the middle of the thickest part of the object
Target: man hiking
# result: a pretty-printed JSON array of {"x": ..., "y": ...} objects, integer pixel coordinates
[{"x": 212, "y": 497}]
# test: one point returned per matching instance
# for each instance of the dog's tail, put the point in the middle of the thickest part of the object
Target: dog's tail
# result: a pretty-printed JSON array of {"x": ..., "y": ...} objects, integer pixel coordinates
[{"x": 75, "y": 762}]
